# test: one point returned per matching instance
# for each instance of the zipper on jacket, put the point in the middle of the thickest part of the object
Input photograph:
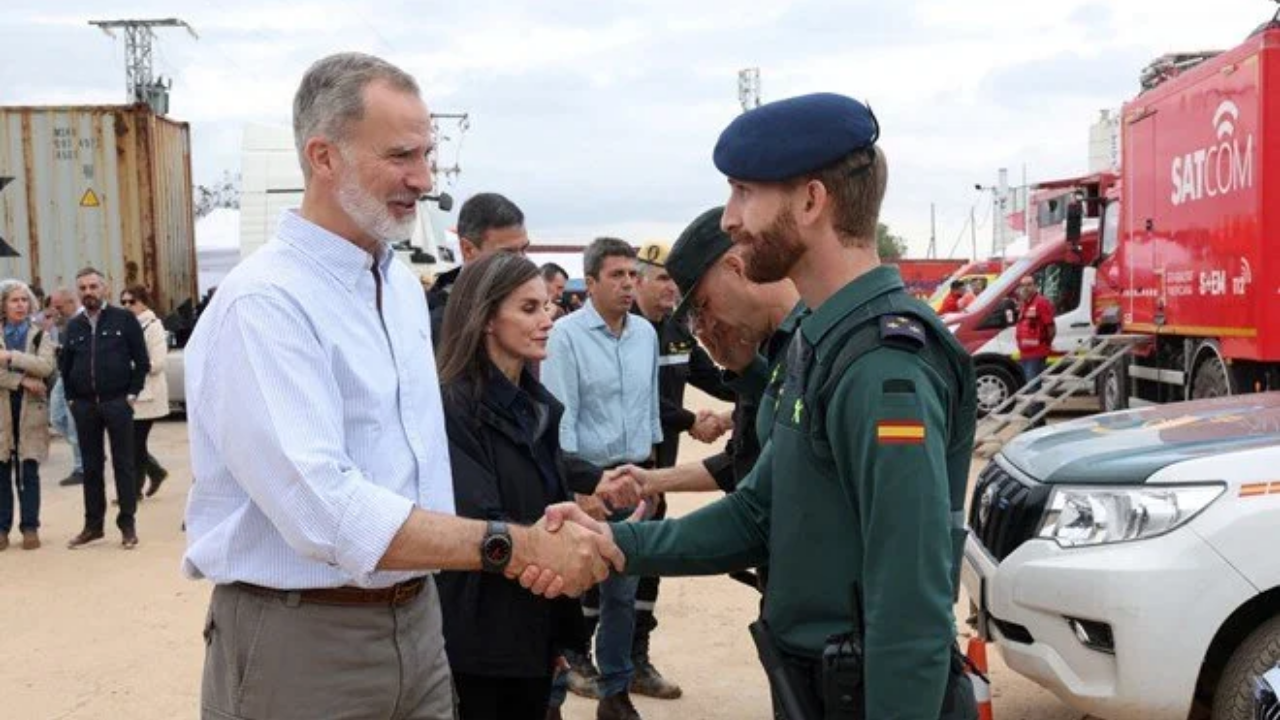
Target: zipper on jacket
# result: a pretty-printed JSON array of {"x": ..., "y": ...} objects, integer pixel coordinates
[{"x": 93, "y": 357}]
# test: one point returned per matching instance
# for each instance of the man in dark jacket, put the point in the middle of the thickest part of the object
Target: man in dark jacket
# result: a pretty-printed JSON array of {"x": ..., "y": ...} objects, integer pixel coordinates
[
  {"x": 487, "y": 223},
  {"x": 680, "y": 362},
  {"x": 745, "y": 327},
  {"x": 103, "y": 365}
]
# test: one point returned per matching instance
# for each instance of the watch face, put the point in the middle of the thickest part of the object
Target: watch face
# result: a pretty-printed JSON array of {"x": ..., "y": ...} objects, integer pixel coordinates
[{"x": 497, "y": 550}]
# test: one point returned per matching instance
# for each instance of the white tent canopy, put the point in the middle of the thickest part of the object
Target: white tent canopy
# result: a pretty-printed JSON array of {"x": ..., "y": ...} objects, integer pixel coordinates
[{"x": 217, "y": 246}]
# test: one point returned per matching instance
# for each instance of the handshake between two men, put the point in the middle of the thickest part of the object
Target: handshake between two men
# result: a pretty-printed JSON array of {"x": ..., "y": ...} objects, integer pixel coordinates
[
  {"x": 566, "y": 552},
  {"x": 571, "y": 548}
]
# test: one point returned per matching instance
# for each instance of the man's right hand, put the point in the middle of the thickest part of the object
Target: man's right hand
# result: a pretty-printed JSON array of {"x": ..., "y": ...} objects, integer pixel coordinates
[
  {"x": 643, "y": 478},
  {"x": 618, "y": 488},
  {"x": 567, "y": 560},
  {"x": 708, "y": 427}
]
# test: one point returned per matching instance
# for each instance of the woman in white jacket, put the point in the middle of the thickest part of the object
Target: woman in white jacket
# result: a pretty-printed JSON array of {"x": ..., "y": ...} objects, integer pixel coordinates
[
  {"x": 26, "y": 360},
  {"x": 153, "y": 402}
]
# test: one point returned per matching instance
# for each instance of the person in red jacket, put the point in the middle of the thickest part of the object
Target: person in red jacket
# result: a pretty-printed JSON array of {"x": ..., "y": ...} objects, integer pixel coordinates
[
  {"x": 1035, "y": 332},
  {"x": 1035, "y": 328},
  {"x": 951, "y": 303}
]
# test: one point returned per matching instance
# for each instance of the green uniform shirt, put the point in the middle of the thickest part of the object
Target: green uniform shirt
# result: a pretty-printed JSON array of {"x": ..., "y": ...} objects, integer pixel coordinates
[{"x": 875, "y": 512}]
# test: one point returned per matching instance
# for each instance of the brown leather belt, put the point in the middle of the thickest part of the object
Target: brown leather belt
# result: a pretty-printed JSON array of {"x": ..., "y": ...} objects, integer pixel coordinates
[{"x": 347, "y": 596}]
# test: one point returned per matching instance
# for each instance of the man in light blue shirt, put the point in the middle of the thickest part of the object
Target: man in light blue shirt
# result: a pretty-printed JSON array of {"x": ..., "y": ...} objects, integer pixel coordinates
[
  {"x": 602, "y": 364},
  {"x": 323, "y": 497}
]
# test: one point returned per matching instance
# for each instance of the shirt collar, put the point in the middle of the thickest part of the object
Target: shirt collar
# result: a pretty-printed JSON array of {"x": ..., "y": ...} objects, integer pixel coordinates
[
  {"x": 341, "y": 257},
  {"x": 596, "y": 320},
  {"x": 859, "y": 292},
  {"x": 793, "y": 318},
  {"x": 500, "y": 387}
]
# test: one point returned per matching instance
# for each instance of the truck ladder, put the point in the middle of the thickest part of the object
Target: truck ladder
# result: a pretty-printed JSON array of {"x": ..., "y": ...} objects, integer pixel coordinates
[{"x": 1061, "y": 380}]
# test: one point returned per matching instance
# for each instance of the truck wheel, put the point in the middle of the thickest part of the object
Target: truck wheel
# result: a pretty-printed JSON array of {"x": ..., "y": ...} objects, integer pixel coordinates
[
  {"x": 1211, "y": 379},
  {"x": 1233, "y": 697},
  {"x": 1113, "y": 388},
  {"x": 995, "y": 384}
]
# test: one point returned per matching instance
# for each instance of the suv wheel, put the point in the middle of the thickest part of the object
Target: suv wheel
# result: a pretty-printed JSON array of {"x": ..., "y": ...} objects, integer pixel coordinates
[{"x": 1233, "y": 698}]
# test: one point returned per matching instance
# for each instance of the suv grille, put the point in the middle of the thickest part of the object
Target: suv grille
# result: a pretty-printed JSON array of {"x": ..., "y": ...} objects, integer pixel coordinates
[{"x": 1005, "y": 511}]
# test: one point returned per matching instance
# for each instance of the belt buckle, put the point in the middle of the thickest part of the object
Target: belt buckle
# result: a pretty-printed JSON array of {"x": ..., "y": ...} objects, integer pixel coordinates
[{"x": 404, "y": 592}]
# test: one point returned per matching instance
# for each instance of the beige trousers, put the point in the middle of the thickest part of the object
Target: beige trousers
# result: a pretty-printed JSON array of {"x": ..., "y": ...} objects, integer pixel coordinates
[{"x": 268, "y": 658}]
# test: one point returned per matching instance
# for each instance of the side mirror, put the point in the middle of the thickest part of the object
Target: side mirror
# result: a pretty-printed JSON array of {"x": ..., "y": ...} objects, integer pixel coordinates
[{"x": 1075, "y": 218}]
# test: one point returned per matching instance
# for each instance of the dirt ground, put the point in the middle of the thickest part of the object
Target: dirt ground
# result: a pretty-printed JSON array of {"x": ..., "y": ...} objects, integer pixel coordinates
[{"x": 101, "y": 633}]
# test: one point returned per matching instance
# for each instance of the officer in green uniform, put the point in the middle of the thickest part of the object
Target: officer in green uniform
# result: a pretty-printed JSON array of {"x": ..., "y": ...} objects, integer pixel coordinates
[{"x": 856, "y": 503}]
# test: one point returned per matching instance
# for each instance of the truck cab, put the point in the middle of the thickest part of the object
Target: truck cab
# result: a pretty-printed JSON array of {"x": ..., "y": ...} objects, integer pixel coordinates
[
  {"x": 1062, "y": 265},
  {"x": 1127, "y": 561}
]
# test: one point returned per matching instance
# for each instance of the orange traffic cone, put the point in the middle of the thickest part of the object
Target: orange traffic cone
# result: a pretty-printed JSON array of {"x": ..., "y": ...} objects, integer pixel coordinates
[{"x": 977, "y": 654}]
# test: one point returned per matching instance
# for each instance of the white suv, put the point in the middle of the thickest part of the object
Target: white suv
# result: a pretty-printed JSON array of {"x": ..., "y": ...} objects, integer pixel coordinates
[{"x": 1130, "y": 562}]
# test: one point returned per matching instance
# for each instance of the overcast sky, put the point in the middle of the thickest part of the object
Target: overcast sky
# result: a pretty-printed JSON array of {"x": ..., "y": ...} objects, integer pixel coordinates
[{"x": 599, "y": 117}]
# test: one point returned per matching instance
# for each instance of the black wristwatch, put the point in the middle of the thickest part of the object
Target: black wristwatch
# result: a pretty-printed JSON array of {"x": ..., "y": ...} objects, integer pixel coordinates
[{"x": 495, "y": 548}]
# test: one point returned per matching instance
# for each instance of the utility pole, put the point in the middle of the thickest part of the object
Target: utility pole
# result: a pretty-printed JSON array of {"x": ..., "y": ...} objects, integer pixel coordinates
[
  {"x": 999, "y": 198},
  {"x": 973, "y": 234},
  {"x": 1026, "y": 204},
  {"x": 140, "y": 84},
  {"x": 932, "y": 252},
  {"x": 749, "y": 88}
]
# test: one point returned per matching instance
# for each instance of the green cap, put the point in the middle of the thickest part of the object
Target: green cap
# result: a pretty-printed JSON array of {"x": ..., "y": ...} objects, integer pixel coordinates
[{"x": 698, "y": 248}]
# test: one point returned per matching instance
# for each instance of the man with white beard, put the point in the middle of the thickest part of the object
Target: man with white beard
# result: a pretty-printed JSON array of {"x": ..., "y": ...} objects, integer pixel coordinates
[{"x": 323, "y": 497}]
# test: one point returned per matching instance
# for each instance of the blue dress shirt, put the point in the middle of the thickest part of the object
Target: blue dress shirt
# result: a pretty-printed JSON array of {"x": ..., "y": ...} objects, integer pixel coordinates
[{"x": 608, "y": 385}]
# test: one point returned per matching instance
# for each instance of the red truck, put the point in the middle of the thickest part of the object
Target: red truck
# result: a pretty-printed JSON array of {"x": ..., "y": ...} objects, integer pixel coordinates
[
  {"x": 1184, "y": 235},
  {"x": 923, "y": 276},
  {"x": 1064, "y": 271}
]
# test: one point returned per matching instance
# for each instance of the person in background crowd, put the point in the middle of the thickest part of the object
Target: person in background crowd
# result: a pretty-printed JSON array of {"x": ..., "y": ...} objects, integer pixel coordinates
[
  {"x": 104, "y": 363},
  {"x": 951, "y": 303},
  {"x": 487, "y": 223},
  {"x": 1035, "y": 333},
  {"x": 976, "y": 287},
  {"x": 680, "y": 362},
  {"x": 153, "y": 402},
  {"x": 556, "y": 278},
  {"x": 26, "y": 362},
  {"x": 602, "y": 364},
  {"x": 504, "y": 448},
  {"x": 64, "y": 306}
]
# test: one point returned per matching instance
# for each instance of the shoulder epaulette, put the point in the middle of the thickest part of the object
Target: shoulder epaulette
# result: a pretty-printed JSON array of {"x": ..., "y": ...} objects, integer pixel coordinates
[{"x": 902, "y": 331}]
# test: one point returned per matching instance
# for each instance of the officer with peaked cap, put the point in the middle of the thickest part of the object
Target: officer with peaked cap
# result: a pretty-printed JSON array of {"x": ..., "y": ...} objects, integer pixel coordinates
[
  {"x": 680, "y": 362},
  {"x": 857, "y": 499}
]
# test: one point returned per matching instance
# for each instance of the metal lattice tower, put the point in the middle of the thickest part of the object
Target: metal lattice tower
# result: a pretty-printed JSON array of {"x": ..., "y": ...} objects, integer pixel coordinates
[
  {"x": 749, "y": 88},
  {"x": 140, "y": 84}
]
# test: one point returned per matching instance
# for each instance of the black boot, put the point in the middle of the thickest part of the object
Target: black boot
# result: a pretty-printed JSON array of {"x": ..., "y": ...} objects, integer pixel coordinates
[{"x": 155, "y": 472}]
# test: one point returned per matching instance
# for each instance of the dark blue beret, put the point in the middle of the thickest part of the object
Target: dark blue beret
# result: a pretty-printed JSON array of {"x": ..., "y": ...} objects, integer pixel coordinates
[{"x": 788, "y": 138}]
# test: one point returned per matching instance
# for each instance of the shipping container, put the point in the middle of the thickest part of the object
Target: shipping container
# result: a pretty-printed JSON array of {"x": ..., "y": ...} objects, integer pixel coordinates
[{"x": 101, "y": 186}]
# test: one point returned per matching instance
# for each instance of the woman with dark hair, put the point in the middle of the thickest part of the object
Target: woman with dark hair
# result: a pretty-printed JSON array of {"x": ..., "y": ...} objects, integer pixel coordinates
[
  {"x": 504, "y": 446},
  {"x": 153, "y": 402}
]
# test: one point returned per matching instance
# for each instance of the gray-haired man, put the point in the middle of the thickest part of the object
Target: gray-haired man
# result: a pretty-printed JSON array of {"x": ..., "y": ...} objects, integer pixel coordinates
[{"x": 323, "y": 496}]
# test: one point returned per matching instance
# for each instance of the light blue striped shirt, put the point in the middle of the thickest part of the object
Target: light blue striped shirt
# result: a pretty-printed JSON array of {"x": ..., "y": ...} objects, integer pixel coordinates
[
  {"x": 313, "y": 430},
  {"x": 608, "y": 385}
]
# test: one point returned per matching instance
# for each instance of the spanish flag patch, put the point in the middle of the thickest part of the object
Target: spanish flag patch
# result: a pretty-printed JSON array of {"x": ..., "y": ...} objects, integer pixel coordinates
[{"x": 900, "y": 432}]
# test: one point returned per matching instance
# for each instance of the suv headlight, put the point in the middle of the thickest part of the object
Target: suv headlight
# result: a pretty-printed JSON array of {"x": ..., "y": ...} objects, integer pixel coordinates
[{"x": 1082, "y": 516}]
